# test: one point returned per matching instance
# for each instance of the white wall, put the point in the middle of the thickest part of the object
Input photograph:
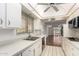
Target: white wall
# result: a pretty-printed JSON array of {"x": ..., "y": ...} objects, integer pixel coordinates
[
  {"x": 38, "y": 25},
  {"x": 49, "y": 30},
  {"x": 7, "y": 35},
  {"x": 68, "y": 32}
]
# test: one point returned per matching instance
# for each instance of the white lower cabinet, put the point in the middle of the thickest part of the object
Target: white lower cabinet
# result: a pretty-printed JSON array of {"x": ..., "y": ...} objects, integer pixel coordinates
[
  {"x": 75, "y": 51},
  {"x": 34, "y": 50},
  {"x": 29, "y": 52},
  {"x": 69, "y": 48},
  {"x": 38, "y": 48}
]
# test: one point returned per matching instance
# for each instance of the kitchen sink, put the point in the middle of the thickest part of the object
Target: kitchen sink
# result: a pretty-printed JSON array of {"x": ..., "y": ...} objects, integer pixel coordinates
[{"x": 31, "y": 38}]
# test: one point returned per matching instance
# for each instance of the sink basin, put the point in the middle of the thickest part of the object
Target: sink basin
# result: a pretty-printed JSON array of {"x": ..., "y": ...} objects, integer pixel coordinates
[{"x": 32, "y": 38}]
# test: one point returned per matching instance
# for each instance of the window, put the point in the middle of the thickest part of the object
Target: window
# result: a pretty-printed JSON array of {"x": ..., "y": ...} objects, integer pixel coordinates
[{"x": 27, "y": 24}]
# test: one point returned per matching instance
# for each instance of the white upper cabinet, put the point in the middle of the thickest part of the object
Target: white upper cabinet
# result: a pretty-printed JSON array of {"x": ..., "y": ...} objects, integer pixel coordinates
[
  {"x": 2, "y": 14},
  {"x": 10, "y": 15},
  {"x": 13, "y": 15}
]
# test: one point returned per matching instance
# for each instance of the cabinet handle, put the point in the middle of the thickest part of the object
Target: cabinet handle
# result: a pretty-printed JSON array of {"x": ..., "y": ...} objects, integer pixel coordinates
[
  {"x": 8, "y": 22},
  {"x": 1, "y": 21}
]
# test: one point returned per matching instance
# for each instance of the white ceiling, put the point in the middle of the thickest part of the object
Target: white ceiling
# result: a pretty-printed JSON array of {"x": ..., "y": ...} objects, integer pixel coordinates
[{"x": 63, "y": 10}]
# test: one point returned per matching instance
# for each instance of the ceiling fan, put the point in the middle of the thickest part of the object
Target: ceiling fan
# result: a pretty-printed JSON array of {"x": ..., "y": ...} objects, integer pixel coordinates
[{"x": 53, "y": 5}]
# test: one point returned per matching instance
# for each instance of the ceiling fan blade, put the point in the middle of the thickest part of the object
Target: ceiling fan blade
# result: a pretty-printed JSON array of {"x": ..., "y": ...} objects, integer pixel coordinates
[
  {"x": 46, "y": 9},
  {"x": 55, "y": 8},
  {"x": 42, "y": 3}
]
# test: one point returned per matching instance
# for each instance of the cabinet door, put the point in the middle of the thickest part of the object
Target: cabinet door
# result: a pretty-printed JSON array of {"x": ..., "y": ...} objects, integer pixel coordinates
[
  {"x": 2, "y": 14},
  {"x": 75, "y": 51},
  {"x": 67, "y": 47},
  {"x": 13, "y": 14},
  {"x": 29, "y": 52},
  {"x": 38, "y": 48}
]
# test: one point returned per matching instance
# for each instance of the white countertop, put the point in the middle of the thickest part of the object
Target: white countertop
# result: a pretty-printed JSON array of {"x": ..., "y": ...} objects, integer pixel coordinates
[
  {"x": 16, "y": 47},
  {"x": 11, "y": 49}
]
